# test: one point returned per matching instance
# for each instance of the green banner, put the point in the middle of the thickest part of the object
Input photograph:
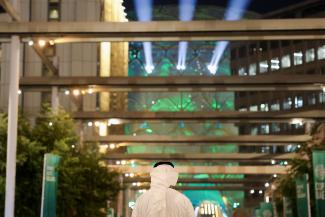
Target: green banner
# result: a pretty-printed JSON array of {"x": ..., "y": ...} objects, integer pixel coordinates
[
  {"x": 50, "y": 182},
  {"x": 303, "y": 196},
  {"x": 258, "y": 213},
  {"x": 287, "y": 207},
  {"x": 266, "y": 209},
  {"x": 319, "y": 181}
]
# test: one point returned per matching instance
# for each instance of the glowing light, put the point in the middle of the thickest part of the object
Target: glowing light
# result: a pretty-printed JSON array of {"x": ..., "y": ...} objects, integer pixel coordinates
[
  {"x": 19, "y": 92},
  {"x": 51, "y": 42},
  {"x": 41, "y": 43},
  {"x": 131, "y": 175},
  {"x": 323, "y": 89},
  {"x": 30, "y": 43},
  {"x": 90, "y": 91},
  {"x": 186, "y": 12},
  {"x": 275, "y": 175},
  {"x": 285, "y": 163},
  {"x": 118, "y": 162},
  {"x": 273, "y": 162},
  {"x": 50, "y": 124},
  {"x": 143, "y": 9},
  {"x": 97, "y": 123},
  {"x": 235, "y": 11},
  {"x": 267, "y": 199},
  {"x": 90, "y": 124},
  {"x": 260, "y": 192},
  {"x": 123, "y": 162},
  {"x": 102, "y": 129},
  {"x": 267, "y": 185},
  {"x": 67, "y": 92},
  {"x": 114, "y": 121},
  {"x": 252, "y": 191},
  {"x": 297, "y": 121},
  {"x": 112, "y": 146},
  {"x": 76, "y": 92}
]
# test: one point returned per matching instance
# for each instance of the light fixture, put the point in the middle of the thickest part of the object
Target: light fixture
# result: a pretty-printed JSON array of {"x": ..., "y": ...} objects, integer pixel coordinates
[
  {"x": 131, "y": 175},
  {"x": 50, "y": 124},
  {"x": 118, "y": 162},
  {"x": 19, "y": 92},
  {"x": 67, "y": 92},
  {"x": 267, "y": 185},
  {"x": 51, "y": 42},
  {"x": 90, "y": 91},
  {"x": 260, "y": 192},
  {"x": 112, "y": 146},
  {"x": 41, "y": 43},
  {"x": 76, "y": 92},
  {"x": 275, "y": 175},
  {"x": 97, "y": 123},
  {"x": 30, "y": 42},
  {"x": 90, "y": 124},
  {"x": 252, "y": 191},
  {"x": 123, "y": 162},
  {"x": 114, "y": 121},
  {"x": 273, "y": 162},
  {"x": 285, "y": 163},
  {"x": 323, "y": 89}
]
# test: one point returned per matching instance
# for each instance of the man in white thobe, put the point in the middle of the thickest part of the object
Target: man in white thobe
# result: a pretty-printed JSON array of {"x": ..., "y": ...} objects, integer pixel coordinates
[{"x": 160, "y": 200}]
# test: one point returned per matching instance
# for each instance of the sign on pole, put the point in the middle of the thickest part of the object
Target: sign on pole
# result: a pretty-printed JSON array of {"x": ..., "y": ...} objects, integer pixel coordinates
[
  {"x": 50, "y": 183},
  {"x": 319, "y": 181},
  {"x": 303, "y": 196},
  {"x": 266, "y": 209},
  {"x": 287, "y": 207}
]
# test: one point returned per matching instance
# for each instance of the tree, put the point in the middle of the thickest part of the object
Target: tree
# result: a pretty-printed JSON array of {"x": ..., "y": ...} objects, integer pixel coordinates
[
  {"x": 85, "y": 184},
  {"x": 285, "y": 185}
]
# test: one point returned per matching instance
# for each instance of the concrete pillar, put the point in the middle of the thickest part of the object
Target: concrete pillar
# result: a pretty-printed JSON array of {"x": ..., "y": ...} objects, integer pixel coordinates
[{"x": 12, "y": 127}]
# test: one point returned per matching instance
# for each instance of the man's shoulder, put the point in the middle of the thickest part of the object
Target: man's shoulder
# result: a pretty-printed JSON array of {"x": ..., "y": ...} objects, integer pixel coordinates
[{"x": 177, "y": 194}]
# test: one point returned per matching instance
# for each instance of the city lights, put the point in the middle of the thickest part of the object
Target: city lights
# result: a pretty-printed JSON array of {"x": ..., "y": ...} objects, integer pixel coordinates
[{"x": 235, "y": 11}]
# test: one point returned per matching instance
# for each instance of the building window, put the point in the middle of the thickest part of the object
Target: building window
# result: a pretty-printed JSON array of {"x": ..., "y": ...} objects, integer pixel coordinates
[
  {"x": 285, "y": 61},
  {"x": 287, "y": 103},
  {"x": 312, "y": 99},
  {"x": 243, "y": 109},
  {"x": 275, "y": 106},
  {"x": 299, "y": 102},
  {"x": 275, "y": 127},
  {"x": 297, "y": 58},
  {"x": 264, "y": 107},
  {"x": 264, "y": 66},
  {"x": 321, "y": 52},
  {"x": 275, "y": 64},
  {"x": 265, "y": 129},
  {"x": 322, "y": 97},
  {"x": 253, "y": 108},
  {"x": 242, "y": 71},
  {"x": 252, "y": 69},
  {"x": 310, "y": 55},
  {"x": 53, "y": 10}
]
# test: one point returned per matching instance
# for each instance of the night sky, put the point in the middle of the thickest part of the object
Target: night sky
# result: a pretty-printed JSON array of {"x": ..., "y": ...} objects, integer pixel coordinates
[{"x": 259, "y": 6}]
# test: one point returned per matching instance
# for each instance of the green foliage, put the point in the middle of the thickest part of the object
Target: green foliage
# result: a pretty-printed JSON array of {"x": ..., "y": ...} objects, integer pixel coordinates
[
  {"x": 84, "y": 184},
  {"x": 299, "y": 166}
]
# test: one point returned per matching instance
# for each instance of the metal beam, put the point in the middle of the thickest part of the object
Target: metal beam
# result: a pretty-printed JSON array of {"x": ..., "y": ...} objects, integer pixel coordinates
[
  {"x": 223, "y": 116},
  {"x": 206, "y": 180},
  {"x": 10, "y": 10},
  {"x": 15, "y": 16},
  {"x": 289, "y": 139},
  {"x": 276, "y": 29},
  {"x": 249, "y": 170},
  {"x": 182, "y": 83},
  {"x": 205, "y": 188},
  {"x": 201, "y": 156}
]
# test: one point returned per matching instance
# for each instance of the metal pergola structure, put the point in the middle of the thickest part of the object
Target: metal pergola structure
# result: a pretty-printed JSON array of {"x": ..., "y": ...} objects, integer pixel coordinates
[{"x": 64, "y": 32}]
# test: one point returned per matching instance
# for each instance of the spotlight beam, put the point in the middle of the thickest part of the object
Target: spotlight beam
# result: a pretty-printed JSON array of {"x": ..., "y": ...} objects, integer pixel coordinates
[
  {"x": 144, "y": 13},
  {"x": 186, "y": 12},
  {"x": 235, "y": 11}
]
